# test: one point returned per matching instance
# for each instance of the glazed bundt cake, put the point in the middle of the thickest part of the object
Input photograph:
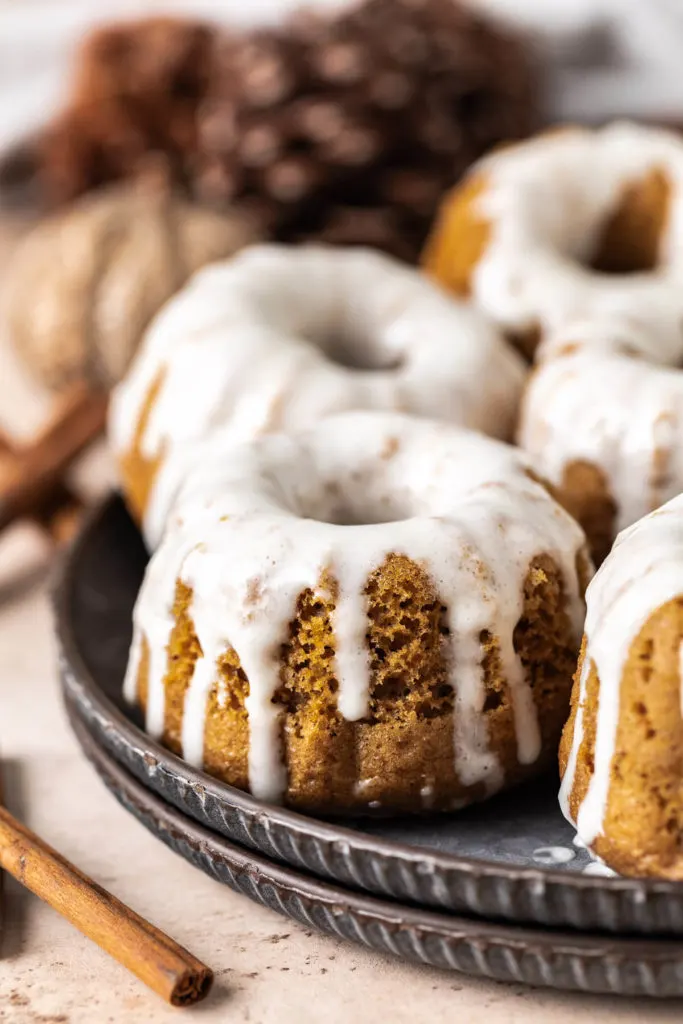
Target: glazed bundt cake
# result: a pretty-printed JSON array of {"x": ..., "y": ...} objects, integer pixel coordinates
[
  {"x": 280, "y": 336},
  {"x": 377, "y": 611},
  {"x": 604, "y": 425},
  {"x": 572, "y": 225},
  {"x": 621, "y": 754},
  {"x": 576, "y": 239}
]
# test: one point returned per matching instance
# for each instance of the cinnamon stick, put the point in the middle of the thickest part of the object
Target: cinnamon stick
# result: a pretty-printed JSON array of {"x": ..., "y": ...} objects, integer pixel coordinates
[
  {"x": 168, "y": 969},
  {"x": 31, "y": 474}
]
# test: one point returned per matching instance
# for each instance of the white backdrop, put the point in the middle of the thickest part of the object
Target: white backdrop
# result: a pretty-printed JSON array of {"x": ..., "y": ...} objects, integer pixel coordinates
[{"x": 604, "y": 57}]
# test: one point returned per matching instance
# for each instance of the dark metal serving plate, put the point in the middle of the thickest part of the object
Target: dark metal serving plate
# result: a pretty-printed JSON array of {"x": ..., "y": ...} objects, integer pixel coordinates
[
  {"x": 484, "y": 861},
  {"x": 553, "y": 958}
]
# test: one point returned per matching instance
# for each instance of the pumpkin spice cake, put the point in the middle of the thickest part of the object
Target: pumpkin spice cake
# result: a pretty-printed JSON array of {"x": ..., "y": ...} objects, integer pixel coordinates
[
  {"x": 621, "y": 755},
  {"x": 572, "y": 243},
  {"x": 572, "y": 225},
  {"x": 279, "y": 336},
  {"x": 379, "y": 611}
]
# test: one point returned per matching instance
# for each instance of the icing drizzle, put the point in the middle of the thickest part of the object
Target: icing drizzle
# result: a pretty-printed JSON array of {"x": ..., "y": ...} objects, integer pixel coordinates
[
  {"x": 643, "y": 572},
  {"x": 258, "y": 523},
  {"x": 613, "y": 411}
]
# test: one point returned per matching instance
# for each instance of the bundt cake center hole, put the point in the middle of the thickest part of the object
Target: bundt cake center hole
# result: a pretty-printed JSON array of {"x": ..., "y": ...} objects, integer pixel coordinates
[
  {"x": 630, "y": 239},
  {"x": 344, "y": 515},
  {"x": 355, "y": 506},
  {"x": 355, "y": 352},
  {"x": 628, "y": 257}
]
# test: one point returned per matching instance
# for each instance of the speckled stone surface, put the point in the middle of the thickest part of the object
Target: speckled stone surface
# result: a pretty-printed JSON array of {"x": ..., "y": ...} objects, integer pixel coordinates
[{"x": 268, "y": 969}]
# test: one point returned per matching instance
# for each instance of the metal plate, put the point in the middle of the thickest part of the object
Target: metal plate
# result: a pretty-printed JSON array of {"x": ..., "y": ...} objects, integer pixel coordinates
[
  {"x": 556, "y": 959},
  {"x": 485, "y": 860}
]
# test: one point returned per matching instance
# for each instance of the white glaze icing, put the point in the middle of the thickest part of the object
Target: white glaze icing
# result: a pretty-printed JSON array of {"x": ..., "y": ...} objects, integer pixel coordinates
[
  {"x": 251, "y": 344},
  {"x": 256, "y": 524},
  {"x": 614, "y": 411},
  {"x": 643, "y": 572},
  {"x": 617, "y": 399},
  {"x": 553, "y": 854},
  {"x": 546, "y": 202},
  {"x": 598, "y": 868}
]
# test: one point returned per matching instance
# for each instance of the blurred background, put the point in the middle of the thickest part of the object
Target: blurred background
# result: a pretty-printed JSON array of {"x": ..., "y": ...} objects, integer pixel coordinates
[
  {"x": 227, "y": 121},
  {"x": 605, "y": 57}
]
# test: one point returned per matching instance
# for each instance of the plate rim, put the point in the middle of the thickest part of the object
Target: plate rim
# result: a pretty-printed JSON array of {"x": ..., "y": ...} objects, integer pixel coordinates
[
  {"x": 111, "y": 724},
  {"x": 365, "y": 909}
]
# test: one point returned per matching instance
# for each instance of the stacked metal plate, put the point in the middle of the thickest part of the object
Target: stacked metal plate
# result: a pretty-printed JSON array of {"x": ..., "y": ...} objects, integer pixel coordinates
[{"x": 498, "y": 890}]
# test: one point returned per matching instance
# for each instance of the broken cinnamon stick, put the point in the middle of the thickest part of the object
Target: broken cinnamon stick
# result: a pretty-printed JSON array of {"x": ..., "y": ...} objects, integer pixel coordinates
[
  {"x": 156, "y": 959},
  {"x": 31, "y": 475}
]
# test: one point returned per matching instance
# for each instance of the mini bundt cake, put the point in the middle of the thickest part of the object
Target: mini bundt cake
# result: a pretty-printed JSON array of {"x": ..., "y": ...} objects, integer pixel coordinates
[
  {"x": 278, "y": 337},
  {"x": 573, "y": 225},
  {"x": 576, "y": 239},
  {"x": 603, "y": 420},
  {"x": 377, "y": 611},
  {"x": 621, "y": 754}
]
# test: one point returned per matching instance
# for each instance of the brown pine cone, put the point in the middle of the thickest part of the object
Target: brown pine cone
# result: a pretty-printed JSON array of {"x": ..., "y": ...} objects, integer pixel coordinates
[
  {"x": 136, "y": 90},
  {"x": 349, "y": 129},
  {"x": 345, "y": 129}
]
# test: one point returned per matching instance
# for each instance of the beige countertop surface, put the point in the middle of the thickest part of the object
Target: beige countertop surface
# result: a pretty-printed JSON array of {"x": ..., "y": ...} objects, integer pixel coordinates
[{"x": 268, "y": 969}]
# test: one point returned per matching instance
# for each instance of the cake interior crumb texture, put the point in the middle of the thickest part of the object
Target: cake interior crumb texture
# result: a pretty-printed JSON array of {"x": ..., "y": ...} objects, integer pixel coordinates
[
  {"x": 405, "y": 746},
  {"x": 641, "y": 832}
]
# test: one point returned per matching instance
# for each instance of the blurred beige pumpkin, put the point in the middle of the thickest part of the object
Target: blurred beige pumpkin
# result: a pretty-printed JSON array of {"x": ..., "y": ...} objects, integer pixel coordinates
[{"x": 85, "y": 283}]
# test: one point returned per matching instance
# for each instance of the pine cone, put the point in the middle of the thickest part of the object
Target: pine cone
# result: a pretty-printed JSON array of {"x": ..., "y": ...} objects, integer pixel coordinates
[
  {"x": 349, "y": 129},
  {"x": 345, "y": 129},
  {"x": 136, "y": 90}
]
